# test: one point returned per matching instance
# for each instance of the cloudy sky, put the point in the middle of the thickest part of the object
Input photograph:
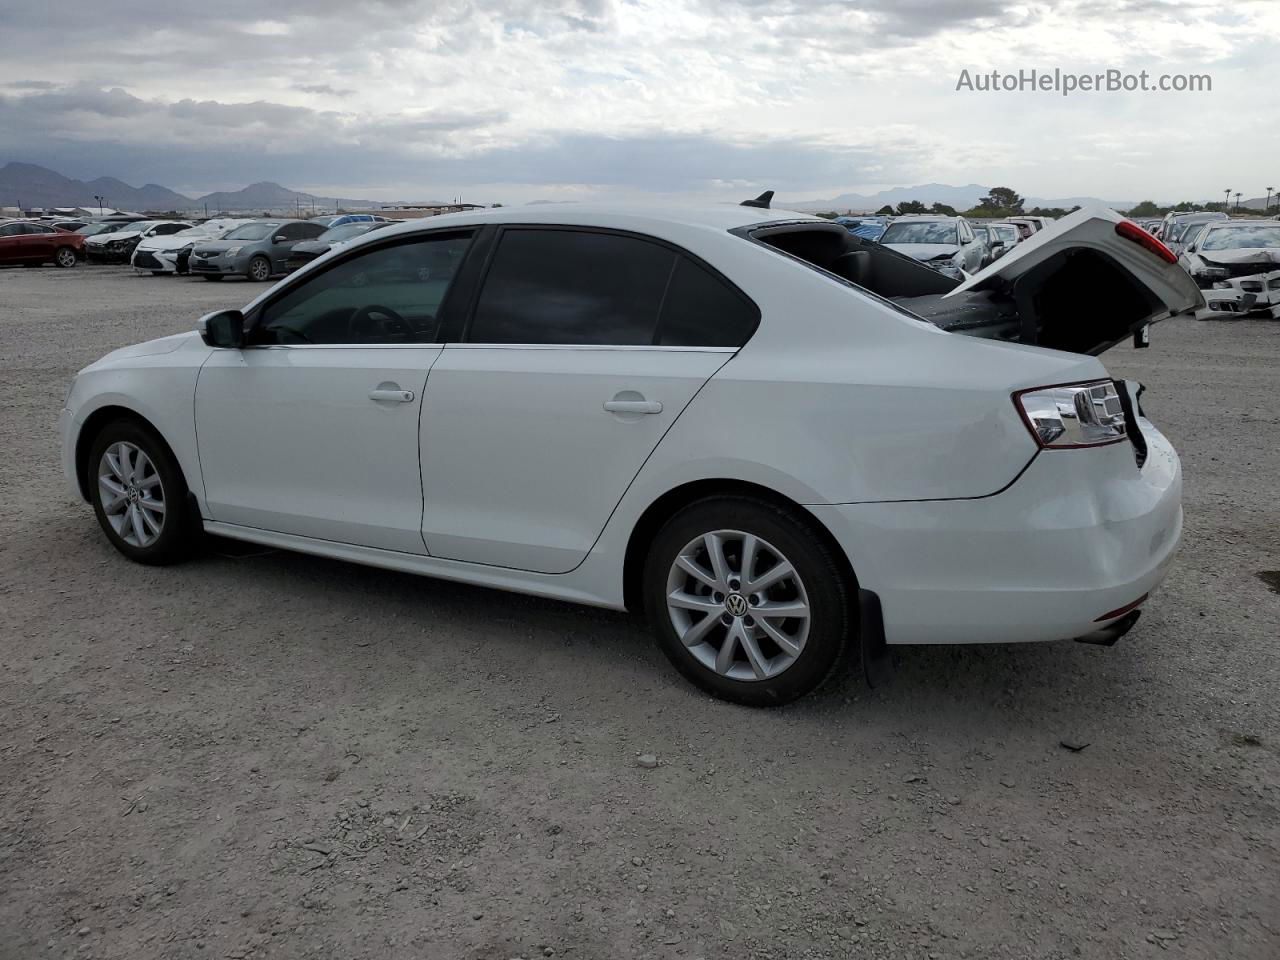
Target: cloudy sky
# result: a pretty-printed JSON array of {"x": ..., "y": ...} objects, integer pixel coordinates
[{"x": 502, "y": 100}]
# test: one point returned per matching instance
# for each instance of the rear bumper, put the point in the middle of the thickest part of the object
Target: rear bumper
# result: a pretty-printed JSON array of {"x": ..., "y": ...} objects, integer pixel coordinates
[{"x": 1081, "y": 534}]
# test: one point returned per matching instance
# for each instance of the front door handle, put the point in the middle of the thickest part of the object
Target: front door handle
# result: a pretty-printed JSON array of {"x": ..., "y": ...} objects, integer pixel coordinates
[
  {"x": 391, "y": 396},
  {"x": 633, "y": 406}
]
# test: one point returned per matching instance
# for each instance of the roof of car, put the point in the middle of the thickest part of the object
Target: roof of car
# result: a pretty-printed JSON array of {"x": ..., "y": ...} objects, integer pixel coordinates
[{"x": 718, "y": 217}]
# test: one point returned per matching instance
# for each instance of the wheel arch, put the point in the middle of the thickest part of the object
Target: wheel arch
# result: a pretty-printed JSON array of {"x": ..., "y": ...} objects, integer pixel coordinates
[
  {"x": 90, "y": 429},
  {"x": 668, "y": 504}
]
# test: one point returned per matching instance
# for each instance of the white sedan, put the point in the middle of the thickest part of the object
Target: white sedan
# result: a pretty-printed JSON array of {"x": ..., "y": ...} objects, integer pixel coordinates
[{"x": 733, "y": 418}]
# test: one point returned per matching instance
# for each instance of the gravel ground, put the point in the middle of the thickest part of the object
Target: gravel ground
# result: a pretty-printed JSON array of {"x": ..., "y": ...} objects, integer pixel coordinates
[{"x": 262, "y": 754}]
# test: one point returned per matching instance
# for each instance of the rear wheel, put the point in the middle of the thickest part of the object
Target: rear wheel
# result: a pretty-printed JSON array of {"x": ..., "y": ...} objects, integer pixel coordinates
[
  {"x": 259, "y": 269},
  {"x": 747, "y": 602},
  {"x": 64, "y": 257},
  {"x": 139, "y": 494}
]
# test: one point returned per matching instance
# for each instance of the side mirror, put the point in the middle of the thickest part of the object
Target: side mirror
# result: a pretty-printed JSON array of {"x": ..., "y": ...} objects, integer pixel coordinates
[
  {"x": 279, "y": 238},
  {"x": 224, "y": 328}
]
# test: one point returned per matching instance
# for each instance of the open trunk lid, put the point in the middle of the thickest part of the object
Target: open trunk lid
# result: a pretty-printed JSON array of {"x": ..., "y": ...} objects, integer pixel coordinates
[{"x": 1082, "y": 284}]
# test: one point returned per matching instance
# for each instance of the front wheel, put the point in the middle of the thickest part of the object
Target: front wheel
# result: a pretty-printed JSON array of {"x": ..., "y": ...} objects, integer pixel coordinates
[
  {"x": 747, "y": 601},
  {"x": 64, "y": 257},
  {"x": 260, "y": 269},
  {"x": 139, "y": 494}
]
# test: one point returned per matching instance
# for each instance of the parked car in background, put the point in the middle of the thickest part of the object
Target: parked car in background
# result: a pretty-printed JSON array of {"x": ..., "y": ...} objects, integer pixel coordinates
[
  {"x": 307, "y": 250},
  {"x": 338, "y": 219},
  {"x": 1005, "y": 236},
  {"x": 118, "y": 246},
  {"x": 72, "y": 225},
  {"x": 947, "y": 244},
  {"x": 31, "y": 243},
  {"x": 100, "y": 227},
  {"x": 162, "y": 254},
  {"x": 1230, "y": 249},
  {"x": 868, "y": 228},
  {"x": 1035, "y": 223},
  {"x": 257, "y": 250},
  {"x": 592, "y": 430},
  {"x": 1175, "y": 225}
]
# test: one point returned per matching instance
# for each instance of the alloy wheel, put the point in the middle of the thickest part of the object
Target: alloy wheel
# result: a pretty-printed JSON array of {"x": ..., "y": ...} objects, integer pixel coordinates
[
  {"x": 259, "y": 269},
  {"x": 65, "y": 257},
  {"x": 132, "y": 494},
  {"x": 738, "y": 605}
]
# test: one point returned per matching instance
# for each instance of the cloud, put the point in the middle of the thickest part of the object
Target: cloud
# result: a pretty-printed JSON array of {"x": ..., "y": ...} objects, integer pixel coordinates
[
  {"x": 323, "y": 89},
  {"x": 419, "y": 97}
]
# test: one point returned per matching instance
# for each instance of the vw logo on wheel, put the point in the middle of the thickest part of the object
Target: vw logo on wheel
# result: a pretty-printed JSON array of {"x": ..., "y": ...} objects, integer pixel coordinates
[{"x": 736, "y": 604}]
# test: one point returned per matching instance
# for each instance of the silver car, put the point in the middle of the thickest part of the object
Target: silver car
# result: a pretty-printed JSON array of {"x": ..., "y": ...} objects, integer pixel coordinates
[{"x": 257, "y": 250}]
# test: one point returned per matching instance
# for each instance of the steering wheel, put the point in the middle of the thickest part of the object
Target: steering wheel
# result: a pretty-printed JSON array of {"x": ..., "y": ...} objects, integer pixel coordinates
[{"x": 362, "y": 323}]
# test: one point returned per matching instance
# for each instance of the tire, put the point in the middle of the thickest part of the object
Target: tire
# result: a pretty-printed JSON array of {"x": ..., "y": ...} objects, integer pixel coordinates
[
  {"x": 157, "y": 478},
  {"x": 64, "y": 257},
  {"x": 212, "y": 276},
  {"x": 759, "y": 671},
  {"x": 259, "y": 269}
]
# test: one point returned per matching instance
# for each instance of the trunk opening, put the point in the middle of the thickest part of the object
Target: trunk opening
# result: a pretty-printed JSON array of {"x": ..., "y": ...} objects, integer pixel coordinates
[{"x": 1078, "y": 299}]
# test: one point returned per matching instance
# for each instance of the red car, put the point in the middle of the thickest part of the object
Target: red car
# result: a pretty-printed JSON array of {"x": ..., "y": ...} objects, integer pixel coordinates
[{"x": 30, "y": 243}]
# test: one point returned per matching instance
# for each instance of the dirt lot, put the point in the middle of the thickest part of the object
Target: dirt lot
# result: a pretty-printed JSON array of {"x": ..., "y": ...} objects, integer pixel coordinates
[{"x": 262, "y": 754}]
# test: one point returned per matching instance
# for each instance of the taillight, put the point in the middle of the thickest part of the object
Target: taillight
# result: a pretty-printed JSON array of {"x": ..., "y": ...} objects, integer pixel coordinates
[
  {"x": 1131, "y": 231},
  {"x": 1073, "y": 414}
]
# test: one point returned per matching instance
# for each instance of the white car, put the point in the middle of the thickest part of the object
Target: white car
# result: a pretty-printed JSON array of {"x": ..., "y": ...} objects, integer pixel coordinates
[
  {"x": 162, "y": 253},
  {"x": 719, "y": 416},
  {"x": 947, "y": 244},
  {"x": 1231, "y": 249},
  {"x": 118, "y": 247}
]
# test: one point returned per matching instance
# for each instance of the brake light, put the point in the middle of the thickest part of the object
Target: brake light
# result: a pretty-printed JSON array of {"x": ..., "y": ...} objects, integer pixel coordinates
[
  {"x": 1131, "y": 231},
  {"x": 1073, "y": 414}
]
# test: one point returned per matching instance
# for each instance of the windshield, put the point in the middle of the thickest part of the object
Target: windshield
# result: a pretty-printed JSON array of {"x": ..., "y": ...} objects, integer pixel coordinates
[
  {"x": 252, "y": 231},
  {"x": 1006, "y": 232},
  {"x": 90, "y": 229},
  {"x": 1242, "y": 237},
  {"x": 136, "y": 227},
  {"x": 345, "y": 232},
  {"x": 920, "y": 233}
]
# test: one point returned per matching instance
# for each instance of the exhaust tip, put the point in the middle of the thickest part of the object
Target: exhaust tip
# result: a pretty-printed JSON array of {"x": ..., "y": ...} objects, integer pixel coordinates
[{"x": 1108, "y": 635}]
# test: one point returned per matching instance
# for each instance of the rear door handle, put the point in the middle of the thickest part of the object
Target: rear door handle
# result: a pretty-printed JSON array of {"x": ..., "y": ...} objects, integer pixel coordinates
[
  {"x": 633, "y": 406},
  {"x": 392, "y": 396}
]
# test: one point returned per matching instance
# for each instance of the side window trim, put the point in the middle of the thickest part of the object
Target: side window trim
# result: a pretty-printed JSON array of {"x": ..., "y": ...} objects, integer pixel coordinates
[{"x": 495, "y": 239}]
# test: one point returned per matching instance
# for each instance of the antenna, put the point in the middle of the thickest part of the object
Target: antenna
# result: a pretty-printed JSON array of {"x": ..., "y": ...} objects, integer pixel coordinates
[{"x": 761, "y": 201}]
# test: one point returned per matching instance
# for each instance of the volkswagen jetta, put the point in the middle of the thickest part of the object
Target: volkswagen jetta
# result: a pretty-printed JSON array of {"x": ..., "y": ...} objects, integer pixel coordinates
[{"x": 784, "y": 443}]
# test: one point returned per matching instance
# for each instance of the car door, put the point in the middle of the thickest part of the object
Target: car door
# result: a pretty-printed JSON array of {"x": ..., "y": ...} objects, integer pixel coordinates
[
  {"x": 292, "y": 233},
  {"x": 311, "y": 429},
  {"x": 583, "y": 348},
  {"x": 13, "y": 242}
]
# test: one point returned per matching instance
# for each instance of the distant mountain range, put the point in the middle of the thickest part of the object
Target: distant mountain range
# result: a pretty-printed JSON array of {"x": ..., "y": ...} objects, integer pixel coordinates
[
  {"x": 962, "y": 198},
  {"x": 27, "y": 185}
]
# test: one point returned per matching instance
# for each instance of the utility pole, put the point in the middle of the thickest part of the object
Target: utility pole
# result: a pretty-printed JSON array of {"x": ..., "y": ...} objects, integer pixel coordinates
[{"x": 100, "y": 200}]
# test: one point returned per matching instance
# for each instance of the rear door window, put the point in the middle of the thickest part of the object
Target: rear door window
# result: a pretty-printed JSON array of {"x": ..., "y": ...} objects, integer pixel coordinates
[
  {"x": 702, "y": 310},
  {"x": 549, "y": 286}
]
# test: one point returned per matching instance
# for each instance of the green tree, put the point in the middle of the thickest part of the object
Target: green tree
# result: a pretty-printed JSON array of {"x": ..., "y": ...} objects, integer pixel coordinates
[
  {"x": 1003, "y": 199},
  {"x": 911, "y": 206},
  {"x": 885, "y": 211},
  {"x": 943, "y": 209},
  {"x": 1147, "y": 208}
]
